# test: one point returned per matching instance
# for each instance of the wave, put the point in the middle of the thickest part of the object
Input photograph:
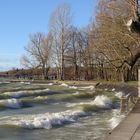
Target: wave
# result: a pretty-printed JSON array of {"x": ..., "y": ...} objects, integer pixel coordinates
[
  {"x": 10, "y": 103},
  {"x": 50, "y": 120},
  {"x": 41, "y": 97},
  {"x": 73, "y": 87},
  {"x": 113, "y": 89},
  {"x": 18, "y": 94},
  {"x": 64, "y": 85},
  {"x": 26, "y": 83},
  {"x": 101, "y": 101},
  {"x": 87, "y": 87},
  {"x": 43, "y": 84},
  {"x": 5, "y": 82},
  {"x": 116, "y": 119},
  {"x": 80, "y": 88},
  {"x": 119, "y": 94}
]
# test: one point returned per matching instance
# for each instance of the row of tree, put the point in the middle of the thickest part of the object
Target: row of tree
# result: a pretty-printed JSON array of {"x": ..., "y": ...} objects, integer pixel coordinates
[{"x": 105, "y": 49}]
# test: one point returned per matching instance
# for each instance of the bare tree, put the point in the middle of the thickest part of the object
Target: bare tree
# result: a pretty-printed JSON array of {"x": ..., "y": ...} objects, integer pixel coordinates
[
  {"x": 113, "y": 41},
  {"x": 38, "y": 53},
  {"x": 60, "y": 23}
]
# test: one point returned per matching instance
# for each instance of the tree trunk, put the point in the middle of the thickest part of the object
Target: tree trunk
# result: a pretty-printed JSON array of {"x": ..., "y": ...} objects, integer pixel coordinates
[{"x": 44, "y": 72}]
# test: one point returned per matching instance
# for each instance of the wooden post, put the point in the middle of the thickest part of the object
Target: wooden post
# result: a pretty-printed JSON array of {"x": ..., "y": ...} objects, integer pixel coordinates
[{"x": 139, "y": 82}]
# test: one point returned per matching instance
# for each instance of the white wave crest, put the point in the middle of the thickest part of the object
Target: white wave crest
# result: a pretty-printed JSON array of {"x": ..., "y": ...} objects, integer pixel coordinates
[
  {"x": 119, "y": 94},
  {"x": 87, "y": 87},
  {"x": 76, "y": 93},
  {"x": 26, "y": 83},
  {"x": 103, "y": 101},
  {"x": 113, "y": 89},
  {"x": 5, "y": 82},
  {"x": 18, "y": 94},
  {"x": 49, "y": 120},
  {"x": 100, "y": 101},
  {"x": 41, "y": 97},
  {"x": 11, "y": 103},
  {"x": 73, "y": 87},
  {"x": 116, "y": 119},
  {"x": 64, "y": 85},
  {"x": 50, "y": 84},
  {"x": 43, "y": 84}
]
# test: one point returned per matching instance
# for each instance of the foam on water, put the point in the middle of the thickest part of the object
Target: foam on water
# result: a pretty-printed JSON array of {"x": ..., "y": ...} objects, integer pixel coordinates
[
  {"x": 116, "y": 119},
  {"x": 64, "y": 85},
  {"x": 41, "y": 97},
  {"x": 50, "y": 84},
  {"x": 43, "y": 84},
  {"x": 103, "y": 101},
  {"x": 113, "y": 89},
  {"x": 119, "y": 94},
  {"x": 76, "y": 93},
  {"x": 87, "y": 87},
  {"x": 11, "y": 103},
  {"x": 100, "y": 101},
  {"x": 18, "y": 94},
  {"x": 80, "y": 88},
  {"x": 49, "y": 120},
  {"x": 27, "y": 83},
  {"x": 73, "y": 87},
  {"x": 5, "y": 82}
]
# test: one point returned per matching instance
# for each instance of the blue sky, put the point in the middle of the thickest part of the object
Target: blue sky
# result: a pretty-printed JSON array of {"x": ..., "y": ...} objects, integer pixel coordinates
[{"x": 19, "y": 18}]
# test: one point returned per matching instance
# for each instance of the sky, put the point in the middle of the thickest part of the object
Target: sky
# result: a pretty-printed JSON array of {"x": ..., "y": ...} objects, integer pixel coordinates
[{"x": 20, "y": 18}]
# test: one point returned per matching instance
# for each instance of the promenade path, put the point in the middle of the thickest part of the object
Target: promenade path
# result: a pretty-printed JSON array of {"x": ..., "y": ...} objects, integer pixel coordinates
[{"x": 129, "y": 128}]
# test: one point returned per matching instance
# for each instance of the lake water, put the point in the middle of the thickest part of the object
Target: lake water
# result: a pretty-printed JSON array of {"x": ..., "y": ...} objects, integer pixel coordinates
[{"x": 56, "y": 112}]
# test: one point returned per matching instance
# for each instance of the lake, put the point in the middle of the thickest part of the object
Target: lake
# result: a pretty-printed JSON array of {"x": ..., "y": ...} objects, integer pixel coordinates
[{"x": 35, "y": 111}]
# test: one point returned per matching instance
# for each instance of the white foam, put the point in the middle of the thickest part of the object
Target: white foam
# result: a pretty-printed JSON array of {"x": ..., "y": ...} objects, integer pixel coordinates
[
  {"x": 73, "y": 87},
  {"x": 43, "y": 84},
  {"x": 64, "y": 85},
  {"x": 100, "y": 101},
  {"x": 119, "y": 94},
  {"x": 76, "y": 104},
  {"x": 116, "y": 119},
  {"x": 50, "y": 84},
  {"x": 41, "y": 97},
  {"x": 49, "y": 120},
  {"x": 5, "y": 82},
  {"x": 76, "y": 93},
  {"x": 87, "y": 87},
  {"x": 27, "y": 83},
  {"x": 103, "y": 101},
  {"x": 18, "y": 94},
  {"x": 113, "y": 89},
  {"x": 11, "y": 103}
]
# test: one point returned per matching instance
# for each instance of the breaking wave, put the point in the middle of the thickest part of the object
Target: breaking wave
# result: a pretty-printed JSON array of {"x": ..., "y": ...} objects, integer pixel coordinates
[
  {"x": 100, "y": 101},
  {"x": 23, "y": 93},
  {"x": 80, "y": 88},
  {"x": 11, "y": 103},
  {"x": 116, "y": 119},
  {"x": 73, "y": 87},
  {"x": 64, "y": 85},
  {"x": 87, "y": 87},
  {"x": 119, "y": 94},
  {"x": 43, "y": 84},
  {"x": 50, "y": 120}
]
